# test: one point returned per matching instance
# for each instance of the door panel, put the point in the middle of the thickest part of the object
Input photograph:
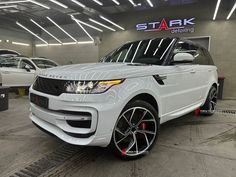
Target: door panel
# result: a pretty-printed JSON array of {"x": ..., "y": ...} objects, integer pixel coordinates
[{"x": 17, "y": 77}]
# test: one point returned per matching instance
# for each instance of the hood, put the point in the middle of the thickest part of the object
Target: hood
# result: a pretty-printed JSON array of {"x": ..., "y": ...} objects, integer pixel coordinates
[{"x": 101, "y": 71}]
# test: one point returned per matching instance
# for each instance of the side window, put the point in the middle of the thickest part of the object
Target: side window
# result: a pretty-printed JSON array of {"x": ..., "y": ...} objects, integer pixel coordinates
[
  {"x": 9, "y": 63},
  {"x": 208, "y": 57},
  {"x": 200, "y": 57},
  {"x": 23, "y": 63},
  {"x": 182, "y": 47}
]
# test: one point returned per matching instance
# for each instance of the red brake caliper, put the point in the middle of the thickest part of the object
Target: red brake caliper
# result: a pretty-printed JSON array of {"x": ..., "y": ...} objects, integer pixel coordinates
[
  {"x": 143, "y": 126},
  {"x": 123, "y": 152},
  {"x": 197, "y": 112}
]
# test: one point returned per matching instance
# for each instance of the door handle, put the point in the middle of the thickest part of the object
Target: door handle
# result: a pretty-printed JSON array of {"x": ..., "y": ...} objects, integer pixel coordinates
[{"x": 192, "y": 71}]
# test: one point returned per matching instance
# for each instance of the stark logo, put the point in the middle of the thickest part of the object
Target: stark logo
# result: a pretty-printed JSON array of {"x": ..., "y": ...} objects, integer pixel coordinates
[{"x": 165, "y": 25}]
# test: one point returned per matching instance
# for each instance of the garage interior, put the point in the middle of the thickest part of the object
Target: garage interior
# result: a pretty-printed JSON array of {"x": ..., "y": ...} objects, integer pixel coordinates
[{"x": 83, "y": 31}]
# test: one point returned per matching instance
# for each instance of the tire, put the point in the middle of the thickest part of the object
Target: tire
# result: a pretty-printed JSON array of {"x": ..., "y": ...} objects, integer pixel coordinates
[
  {"x": 135, "y": 131},
  {"x": 209, "y": 106}
]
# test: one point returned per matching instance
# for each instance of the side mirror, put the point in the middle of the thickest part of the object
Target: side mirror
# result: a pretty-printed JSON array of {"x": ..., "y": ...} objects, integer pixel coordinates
[
  {"x": 183, "y": 58},
  {"x": 27, "y": 68}
]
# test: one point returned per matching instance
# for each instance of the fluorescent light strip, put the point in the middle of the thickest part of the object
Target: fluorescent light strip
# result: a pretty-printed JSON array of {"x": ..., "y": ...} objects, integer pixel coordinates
[
  {"x": 85, "y": 30},
  {"x": 91, "y": 26},
  {"x": 13, "y": 2},
  {"x": 20, "y": 43},
  {"x": 232, "y": 11},
  {"x": 41, "y": 45},
  {"x": 105, "y": 26},
  {"x": 78, "y": 3},
  {"x": 69, "y": 43},
  {"x": 216, "y": 9},
  {"x": 116, "y": 2},
  {"x": 85, "y": 42},
  {"x": 31, "y": 32},
  {"x": 22, "y": 1},
  {"x": 54, "y": 44},
  {"x": 61, "y": 29},
  {"x": 104, "y": 18},
  {"x": 98, "y": 2},
  {"x": 39, "y": 4},
  {"x": 59, "y": 3},
  {"x": 132, "y": 2},
  {"x": 10, "y": 6},
  {"x": 45, "y": 30},
  {"x": 150, "y": 3}
]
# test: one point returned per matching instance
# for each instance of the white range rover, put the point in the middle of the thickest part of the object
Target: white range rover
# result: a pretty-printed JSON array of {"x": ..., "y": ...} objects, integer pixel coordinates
[{"x": 122, "y": 100}]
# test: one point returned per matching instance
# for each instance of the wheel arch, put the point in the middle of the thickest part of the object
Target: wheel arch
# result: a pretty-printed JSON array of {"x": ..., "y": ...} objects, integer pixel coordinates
[{"x": 148, "y": 98}]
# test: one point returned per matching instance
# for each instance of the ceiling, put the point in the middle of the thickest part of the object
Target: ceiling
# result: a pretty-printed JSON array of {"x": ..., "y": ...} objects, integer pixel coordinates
[{"x": 25, "y": 11}]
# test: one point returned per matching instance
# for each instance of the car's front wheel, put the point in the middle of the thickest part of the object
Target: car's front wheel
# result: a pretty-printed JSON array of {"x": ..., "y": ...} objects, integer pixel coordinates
[{"x": 136, "y": 130}]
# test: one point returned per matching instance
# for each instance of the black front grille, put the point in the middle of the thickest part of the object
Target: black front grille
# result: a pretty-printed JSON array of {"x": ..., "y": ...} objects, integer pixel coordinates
[{"x": 50, "y": 86}]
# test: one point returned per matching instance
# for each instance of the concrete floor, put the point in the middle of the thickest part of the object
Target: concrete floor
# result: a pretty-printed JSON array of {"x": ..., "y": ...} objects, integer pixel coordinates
[{"x": 187, "y": 147}]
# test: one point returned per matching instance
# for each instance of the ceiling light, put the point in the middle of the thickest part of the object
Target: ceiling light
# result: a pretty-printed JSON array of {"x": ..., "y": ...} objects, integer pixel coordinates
[
  {"x": 54, "y": 44},
  {"x": 150, "y": 3},
  {"x": 39, "y": 4},
  {"x": 116, "y": 2},
  {"x": 232, "y": 11},
  {"x": 91, "y": 26},
  {"x": 132, "y": 2},
  {"x": 104, "y": 18},
  {"x": 86, "y": 42},
  {"x": 217, "y": 8},
  {"x": 61, "y": 29},
  {"x": 45, "y": 30},
  {"x": 13, "y": 2},
  {"x": 69, "y": 43},
  {"x": 98, "y": 2},
  {"x": 59, "y": 3},
  {"x": 10, "y": 6},
  {"x": 20, "y": 43},
  {"x": 31, "y": 32},
  {"x": 0, "y": 40},
  {"x": 41, "y": 45},
  {"x": 85, "y": 30},
  {"x": 94, "y": 21},
  {"x": 21, "y": 1},
  {"x": 78, "y": 3}
]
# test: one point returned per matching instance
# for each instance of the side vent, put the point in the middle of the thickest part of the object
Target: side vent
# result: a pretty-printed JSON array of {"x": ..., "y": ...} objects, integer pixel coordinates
[{"x": 160, "y": 79}]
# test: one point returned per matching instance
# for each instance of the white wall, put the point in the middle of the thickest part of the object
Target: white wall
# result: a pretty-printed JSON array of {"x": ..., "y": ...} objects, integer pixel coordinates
[
  {"x": 17, "y": 37},
  {"x": 84, "y": 53}
]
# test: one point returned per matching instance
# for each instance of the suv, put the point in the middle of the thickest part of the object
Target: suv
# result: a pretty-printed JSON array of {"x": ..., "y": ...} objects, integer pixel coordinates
[{"x": 122, "y": 100}]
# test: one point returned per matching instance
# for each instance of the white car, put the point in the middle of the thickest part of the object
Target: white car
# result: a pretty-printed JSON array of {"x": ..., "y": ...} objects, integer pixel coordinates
[
  {"x": 122, "y": 100},
  {"x": 17, "y": 71}
]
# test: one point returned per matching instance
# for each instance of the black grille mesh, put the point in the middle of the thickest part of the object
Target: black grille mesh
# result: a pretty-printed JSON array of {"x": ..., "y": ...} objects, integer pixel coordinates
[{"x": 50, "y": 86}]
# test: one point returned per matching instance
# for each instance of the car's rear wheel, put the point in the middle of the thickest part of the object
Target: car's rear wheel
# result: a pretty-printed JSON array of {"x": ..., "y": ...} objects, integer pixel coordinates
[
  {"x": 136, "y": 130},
  {"x": 209, "y": 107}
]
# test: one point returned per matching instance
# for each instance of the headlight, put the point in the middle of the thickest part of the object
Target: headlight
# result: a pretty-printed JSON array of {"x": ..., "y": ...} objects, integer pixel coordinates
[{"x": 90, "y": 87}]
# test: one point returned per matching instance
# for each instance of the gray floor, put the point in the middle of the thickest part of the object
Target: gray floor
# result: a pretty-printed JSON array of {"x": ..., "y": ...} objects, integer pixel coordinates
[{"x": 191, "y": 146}]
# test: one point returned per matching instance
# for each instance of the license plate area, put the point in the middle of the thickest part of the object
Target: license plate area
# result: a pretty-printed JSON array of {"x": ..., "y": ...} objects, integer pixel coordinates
[{"x": 39, "y": 100}]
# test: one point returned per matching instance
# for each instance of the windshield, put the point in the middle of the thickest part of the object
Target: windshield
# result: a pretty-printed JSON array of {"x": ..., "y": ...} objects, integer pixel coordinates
[
  {"x": 9, "y": 62},
  {"x": 151, "y": 51},
  {"x": 44, "y": 64}
]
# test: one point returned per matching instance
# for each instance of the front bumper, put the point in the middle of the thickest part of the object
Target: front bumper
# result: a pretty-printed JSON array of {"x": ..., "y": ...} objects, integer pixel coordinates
[{"x": 103, "y": 111}]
